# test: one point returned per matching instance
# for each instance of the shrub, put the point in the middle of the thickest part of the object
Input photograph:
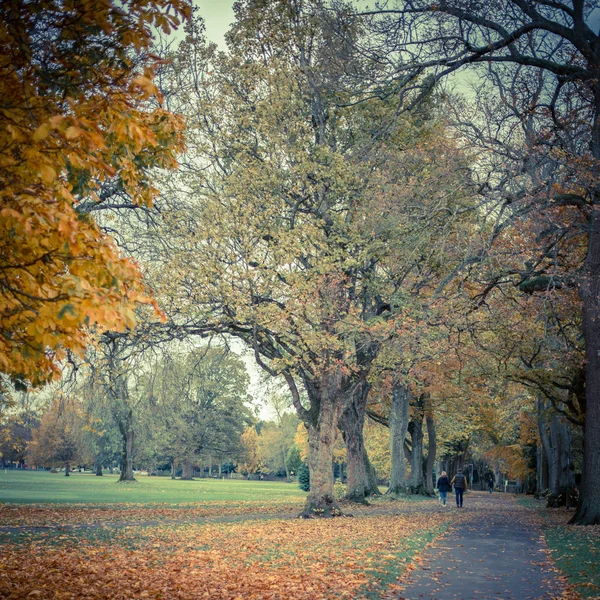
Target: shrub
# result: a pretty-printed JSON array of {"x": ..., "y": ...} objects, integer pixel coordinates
[
  {"x": 304, "y": 477},
  {"x": 339, "y": 490}
]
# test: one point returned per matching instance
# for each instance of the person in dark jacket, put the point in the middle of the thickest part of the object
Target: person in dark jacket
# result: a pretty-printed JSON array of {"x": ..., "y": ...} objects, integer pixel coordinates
[
  {"x": 459, "y": 481},
  {"x": 443, "y": 485},
  {"x": 490, "y": 485}
]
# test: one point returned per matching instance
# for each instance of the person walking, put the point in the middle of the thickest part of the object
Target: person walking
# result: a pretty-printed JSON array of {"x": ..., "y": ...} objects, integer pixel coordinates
[
  {"x": 443, "y": 485},
  {"x": 459, "y": 481},
  {"x": 490, "y": 485}
]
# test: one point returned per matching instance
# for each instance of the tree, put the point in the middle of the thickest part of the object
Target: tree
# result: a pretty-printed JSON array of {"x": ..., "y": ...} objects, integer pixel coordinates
[
  {"x": 18, "y": 425},
  {"x": 58, "y": 439},
  {"x": 251, "y": 462},
  {"x": 545, "y": 38},
  {"x": 304, "y": 478},
  {"x": 77, "y": 134},
  {"x": 276, "y": 442},
  {"x": 200, "y": 401},
  {"x": 284, "y": 243},
  {"x": 101, "y": 436},
  {"x": 293, "y": 460}
]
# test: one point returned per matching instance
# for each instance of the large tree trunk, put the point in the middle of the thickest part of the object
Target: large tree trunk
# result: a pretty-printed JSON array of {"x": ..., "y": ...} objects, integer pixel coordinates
[
  {"x": 398, "y": 423},
  {"x": 371, "y": 486},
  {"x": 588, "y": 510},
  {"x": 556, "y": 442},
  {"x": 431, "y": 454},
  {"x": 127, "y": 455},
  {"x": 320, "y": 501},
  {"x": 67, "y": 469},
  {"x": 187, "y": 471},
  {"x": 99, "y": 469},
  {"x": 551, "y": 455},
  {"x": 542, "y": 460},
  {"x": 321, "y": 421},
  {"x": 415, "y": 429},
  {"x": 352, "y": 422},
  {"x": 541, "y": 471}
]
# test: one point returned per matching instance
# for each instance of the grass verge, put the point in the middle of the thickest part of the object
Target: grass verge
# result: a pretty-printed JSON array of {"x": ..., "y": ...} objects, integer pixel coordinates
[{"x": 575, "y": 550}]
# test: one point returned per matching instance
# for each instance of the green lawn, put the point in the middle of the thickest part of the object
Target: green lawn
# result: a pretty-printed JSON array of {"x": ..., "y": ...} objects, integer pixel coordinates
[
  {"x": 27, "y": 487},
  {"x": 575, "y": 550}
]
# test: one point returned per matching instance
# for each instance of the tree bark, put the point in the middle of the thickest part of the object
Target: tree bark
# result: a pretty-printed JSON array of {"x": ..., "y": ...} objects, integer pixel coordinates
[
  {"x": 321, "y": 438},
  {"x": 431, "y": 454},
  {"x": 321, "y": 421},
  {"x": 556, "y": 442},
  {"x": 372, "y": 487},
  {"x": 415, "y": 429},
  {"x": 187, "y": 471},
  {"x": 551, "y": 456},
  {"x": 398, "y": 423},
  {"x": 67, "y": 469},
  {"x": 127, "y": 455},
  {"x": 541, "y": 471},
  {"x": 588, "y": 509},
  {"x": 99, "y": 469},
  {"x": 352, "y": 422}
]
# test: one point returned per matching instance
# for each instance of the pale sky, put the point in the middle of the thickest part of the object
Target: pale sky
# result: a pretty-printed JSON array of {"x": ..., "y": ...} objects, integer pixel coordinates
[{"x": 218, "y": 16}]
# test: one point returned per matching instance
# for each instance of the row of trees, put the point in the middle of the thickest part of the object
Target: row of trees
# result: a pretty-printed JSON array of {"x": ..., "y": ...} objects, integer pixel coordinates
[
  {"x": 55, "y": 430},
  {"x": 385, "y": 246},
  {"x": 182, "y": 409}
]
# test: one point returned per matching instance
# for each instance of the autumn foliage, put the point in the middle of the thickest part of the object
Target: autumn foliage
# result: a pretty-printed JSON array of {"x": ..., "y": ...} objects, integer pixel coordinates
[
  {"x": 258, "y": 558},
  {"x": 80, "y": 127}
]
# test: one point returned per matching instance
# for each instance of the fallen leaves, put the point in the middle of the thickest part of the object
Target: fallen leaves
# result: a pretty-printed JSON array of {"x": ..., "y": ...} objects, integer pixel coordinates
[{"x": 294, "y": 558}]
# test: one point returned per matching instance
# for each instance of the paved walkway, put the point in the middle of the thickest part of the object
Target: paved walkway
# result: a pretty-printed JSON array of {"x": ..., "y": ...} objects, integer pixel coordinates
[{"x": 498, "y": 552}]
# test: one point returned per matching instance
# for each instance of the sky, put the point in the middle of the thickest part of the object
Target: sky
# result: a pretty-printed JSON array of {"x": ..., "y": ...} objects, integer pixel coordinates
[{"x": 218, "y": 16}]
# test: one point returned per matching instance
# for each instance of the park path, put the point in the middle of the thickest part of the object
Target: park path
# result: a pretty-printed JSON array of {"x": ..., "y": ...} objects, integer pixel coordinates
[{"x": 498, "y": 551}]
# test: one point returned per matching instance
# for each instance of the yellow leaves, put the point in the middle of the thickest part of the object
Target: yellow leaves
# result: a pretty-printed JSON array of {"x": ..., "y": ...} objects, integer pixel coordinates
[
  {"x": 145, "y": 84},
  {"x": 255, "y": 559},
  {"x": 41, "y": 132},
  {"x": 72, "y": 132},
  {"x": 58, "y": 144},
  {"x": 47, "y": 173},
  {"x": 56, "y": 120},
  {"x": 16, "y": 133}
]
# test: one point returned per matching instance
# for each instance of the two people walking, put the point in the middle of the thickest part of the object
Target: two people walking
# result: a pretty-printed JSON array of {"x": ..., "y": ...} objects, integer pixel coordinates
[{"x": 459, "y": 481}]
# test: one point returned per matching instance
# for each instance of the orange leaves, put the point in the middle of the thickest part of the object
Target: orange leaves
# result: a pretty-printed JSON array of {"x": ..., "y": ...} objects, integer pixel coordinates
[
  {"x": 295, "y": 559},
  {"x": 76, "y": 116}
]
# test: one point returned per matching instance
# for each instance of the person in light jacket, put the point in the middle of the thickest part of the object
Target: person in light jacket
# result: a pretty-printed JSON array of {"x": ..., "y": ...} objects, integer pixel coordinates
[
  {"x": 459, "y": 481},
  {"x": 443, "y": 485}
]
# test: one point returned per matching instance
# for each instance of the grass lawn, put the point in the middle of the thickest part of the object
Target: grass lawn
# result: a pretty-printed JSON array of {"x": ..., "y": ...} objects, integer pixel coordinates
[
  {"x": 27, "y": 487},
  {"x": 576, "y": 552}
]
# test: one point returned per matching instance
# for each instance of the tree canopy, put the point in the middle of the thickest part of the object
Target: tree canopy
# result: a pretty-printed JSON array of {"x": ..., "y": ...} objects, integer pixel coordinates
[{"x": 79, "y": 131}]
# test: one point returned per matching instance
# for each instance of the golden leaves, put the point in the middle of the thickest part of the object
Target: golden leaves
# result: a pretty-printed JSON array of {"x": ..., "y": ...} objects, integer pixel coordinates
[
  {"x": 291, "y": 559},
  {"x": 65, "y": 130}
]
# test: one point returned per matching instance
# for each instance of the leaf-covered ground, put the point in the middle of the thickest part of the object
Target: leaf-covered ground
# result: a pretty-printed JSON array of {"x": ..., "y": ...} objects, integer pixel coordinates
[
  {"x": 255, "y": 558},
  {"x": 224, "y": 551}
]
